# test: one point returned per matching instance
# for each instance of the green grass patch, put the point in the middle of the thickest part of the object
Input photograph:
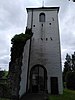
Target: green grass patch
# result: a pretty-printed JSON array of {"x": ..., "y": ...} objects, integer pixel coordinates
[{"x": 67, "y": 95}]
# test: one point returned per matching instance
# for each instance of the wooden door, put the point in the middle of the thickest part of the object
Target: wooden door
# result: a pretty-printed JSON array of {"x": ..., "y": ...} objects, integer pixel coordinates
[{"x": 54, "y": 85}]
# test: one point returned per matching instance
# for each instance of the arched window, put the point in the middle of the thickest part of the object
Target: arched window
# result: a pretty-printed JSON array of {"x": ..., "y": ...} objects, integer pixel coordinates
[
  {"x": 38, "y": 79},
  {"x": 42, "y": 17}
]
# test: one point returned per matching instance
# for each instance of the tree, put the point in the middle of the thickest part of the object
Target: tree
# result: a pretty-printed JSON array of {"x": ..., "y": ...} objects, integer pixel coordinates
[
  {"x": 69, "y": 71},
  {"x": 67, "y": 66},
  {"x": 73, "y": 62},
  {"x": 70, "y": 80},
  {"x": 3, "y": 74},
  {"x": 14, "y": 75},
  {"x": 72, "y": 0}
]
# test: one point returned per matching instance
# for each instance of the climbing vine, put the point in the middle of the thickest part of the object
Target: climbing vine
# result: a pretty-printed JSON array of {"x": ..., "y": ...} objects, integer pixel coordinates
[{"x": 18, "y": 42}]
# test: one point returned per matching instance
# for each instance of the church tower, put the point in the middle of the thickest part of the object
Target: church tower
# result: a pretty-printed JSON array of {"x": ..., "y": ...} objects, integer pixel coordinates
[{"x": 41, "y": 69}]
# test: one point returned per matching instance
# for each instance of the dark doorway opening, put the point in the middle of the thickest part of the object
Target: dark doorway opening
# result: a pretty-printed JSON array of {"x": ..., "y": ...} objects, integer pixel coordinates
[
  {"x": 54, "y": 85},
  {"x": 38, "y": 79}
]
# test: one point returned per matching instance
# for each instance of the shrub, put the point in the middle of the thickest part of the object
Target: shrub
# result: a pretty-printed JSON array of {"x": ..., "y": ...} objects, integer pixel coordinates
[
  {"x": 70, "y": 80},
  {"x": 4, "y": 91},
  {"x": 18, "y": 42}
]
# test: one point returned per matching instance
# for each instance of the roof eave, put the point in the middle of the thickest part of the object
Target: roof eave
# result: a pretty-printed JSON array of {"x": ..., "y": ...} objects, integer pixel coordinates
[{"x": 43, "y": 8}]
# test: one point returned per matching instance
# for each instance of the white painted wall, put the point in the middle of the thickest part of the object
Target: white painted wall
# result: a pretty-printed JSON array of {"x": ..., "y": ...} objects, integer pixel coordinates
[
  {"x": 24, "y": 69},
  {"x": 46, "y": 53}
]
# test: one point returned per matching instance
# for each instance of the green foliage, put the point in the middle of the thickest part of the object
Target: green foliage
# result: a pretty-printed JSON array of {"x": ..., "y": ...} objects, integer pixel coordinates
[
  {"x": 3, "y": 74},
  {"x": 69, "y": 71},
  {"x": 22, "y": 38},
  {"x": 67, "y": 95},
  {"x": 4, "y": 91},
  {"x": 73, "y": 61},
  {"x": 67, "y": 66},
  {"x": 18, "y": 42},
  {"x": 70, "y": 80}
]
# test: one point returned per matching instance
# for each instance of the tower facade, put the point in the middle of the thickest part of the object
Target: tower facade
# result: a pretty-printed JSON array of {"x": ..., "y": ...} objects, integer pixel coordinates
[{"x": 41, "y": 68}]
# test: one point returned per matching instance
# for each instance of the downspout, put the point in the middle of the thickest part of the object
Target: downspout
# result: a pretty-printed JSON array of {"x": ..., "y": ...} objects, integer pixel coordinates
[{"x": 29, "y": 54}]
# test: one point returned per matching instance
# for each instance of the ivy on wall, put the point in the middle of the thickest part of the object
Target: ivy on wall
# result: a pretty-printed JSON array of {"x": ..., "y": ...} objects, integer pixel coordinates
[
  {"x": 18, "y": 42},
  {"x": 14, "y": 76}
]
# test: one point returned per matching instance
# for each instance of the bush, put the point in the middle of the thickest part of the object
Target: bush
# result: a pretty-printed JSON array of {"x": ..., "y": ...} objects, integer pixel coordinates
[
  {"x": 18, "y": 42},
  {"x": 70, "y": 80},
  {"x": 4, "y": 91}
]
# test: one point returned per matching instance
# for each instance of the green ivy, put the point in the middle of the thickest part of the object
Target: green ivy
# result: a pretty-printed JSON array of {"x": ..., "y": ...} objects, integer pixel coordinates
[
  {"x": 18, "y": 42},
  {"x": 22, "y": 38}
]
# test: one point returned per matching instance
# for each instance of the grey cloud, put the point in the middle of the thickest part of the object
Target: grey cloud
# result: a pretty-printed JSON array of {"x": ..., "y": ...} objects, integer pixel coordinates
[
  {"x": 4, "y": 61},
  {"x": 13, "y": 20},
  {"x": 11, "y": 14},
  {"x": 67, "y": 32},
  {"x": 4, "y": 64}
]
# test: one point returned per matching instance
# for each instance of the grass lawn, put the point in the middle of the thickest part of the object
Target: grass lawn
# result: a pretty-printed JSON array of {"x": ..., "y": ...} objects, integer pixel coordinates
[
  {"x": 67, "y": 95},
  {"x": 4, "y": 99}
]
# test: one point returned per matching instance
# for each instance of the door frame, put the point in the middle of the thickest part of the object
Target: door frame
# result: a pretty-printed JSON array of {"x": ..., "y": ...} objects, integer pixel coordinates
[
  {"x": 54, "y": 85},
  {"x": 45, "y": 77}
]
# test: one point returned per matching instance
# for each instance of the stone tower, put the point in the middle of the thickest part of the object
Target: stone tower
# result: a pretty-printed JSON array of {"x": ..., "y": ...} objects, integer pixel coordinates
[{"x": 41, "y": 65}]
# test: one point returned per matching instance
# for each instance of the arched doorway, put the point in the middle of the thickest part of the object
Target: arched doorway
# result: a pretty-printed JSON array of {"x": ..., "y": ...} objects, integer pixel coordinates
[{"x": 38, "y": 79}]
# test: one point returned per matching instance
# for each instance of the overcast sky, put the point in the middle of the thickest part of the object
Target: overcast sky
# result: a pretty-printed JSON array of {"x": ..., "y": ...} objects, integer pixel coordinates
[{"x": 13, "y": 20}]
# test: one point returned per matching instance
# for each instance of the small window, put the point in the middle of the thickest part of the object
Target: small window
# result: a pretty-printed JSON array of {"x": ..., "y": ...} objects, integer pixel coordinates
[{"x": 42, "y": 17}]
